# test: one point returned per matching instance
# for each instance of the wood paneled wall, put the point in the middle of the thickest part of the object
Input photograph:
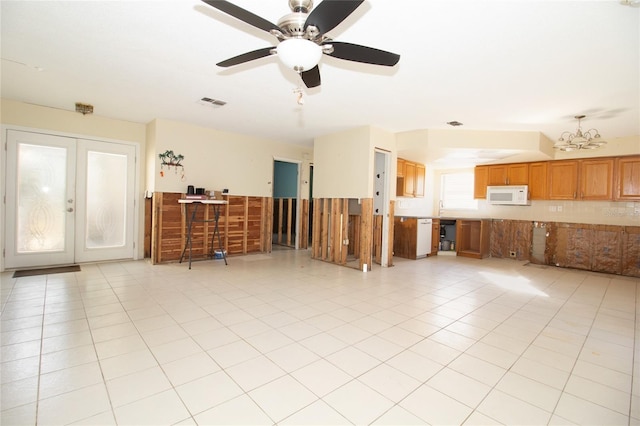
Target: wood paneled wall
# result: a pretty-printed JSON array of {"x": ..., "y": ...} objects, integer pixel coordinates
[
  {"x": 340, "y": 237},
  {"x": 600, "y": 248},
  {"x": 245, "y": 226}
]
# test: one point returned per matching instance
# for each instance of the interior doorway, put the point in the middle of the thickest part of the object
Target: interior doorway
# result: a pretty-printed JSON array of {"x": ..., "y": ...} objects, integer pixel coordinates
[
  {"x": 285, "y": 203},
  {"x": 381, "y": 220}
]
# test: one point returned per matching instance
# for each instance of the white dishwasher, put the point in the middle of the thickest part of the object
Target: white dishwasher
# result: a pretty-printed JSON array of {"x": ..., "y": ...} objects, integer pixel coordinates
[{"x": 423, "y": 244}]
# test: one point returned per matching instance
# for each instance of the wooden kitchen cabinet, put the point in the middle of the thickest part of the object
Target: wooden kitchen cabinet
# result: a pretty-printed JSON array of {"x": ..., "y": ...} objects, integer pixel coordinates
[
  {"x": 480, "y": 182},
  {"x": 419, "y": 180},
  {"x": 538, "y": 180},
  {"x": 562, "y": 177},
  {"x": 473, "y": 238},
  {"x": 627, "y": 178},
  {"x": 596, "y": 179},
  {"x": 400, "y": 168},
  {"x": 410, "y": 179},
  {"x": 435, "y": 237},
  {"x": 509, "y": 174},
  {"x": 497, "y": 175},
  {"x": 405, "y": 232}
]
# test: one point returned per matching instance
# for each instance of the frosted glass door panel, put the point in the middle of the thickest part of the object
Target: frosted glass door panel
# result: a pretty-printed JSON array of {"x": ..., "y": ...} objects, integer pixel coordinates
[
  {"x": 41, "y": 205},
  {"x": 40, "y": 199},
  {"x": 106, "y": 203},
  {"x": 106, "y": 175}
]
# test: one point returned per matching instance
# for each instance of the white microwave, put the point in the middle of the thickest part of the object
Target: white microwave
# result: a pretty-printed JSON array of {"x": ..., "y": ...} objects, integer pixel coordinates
[{"x": 512, "y": 195}]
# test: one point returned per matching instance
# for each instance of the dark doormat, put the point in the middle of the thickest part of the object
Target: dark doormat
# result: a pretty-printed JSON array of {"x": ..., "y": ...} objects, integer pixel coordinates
[{"x": 46, "y": 271}]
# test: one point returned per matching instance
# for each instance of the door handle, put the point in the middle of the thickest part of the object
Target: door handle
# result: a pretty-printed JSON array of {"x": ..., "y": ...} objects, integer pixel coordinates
[
  {"x": 70, "y": 209},
  {"x": 70, "y": 200}
]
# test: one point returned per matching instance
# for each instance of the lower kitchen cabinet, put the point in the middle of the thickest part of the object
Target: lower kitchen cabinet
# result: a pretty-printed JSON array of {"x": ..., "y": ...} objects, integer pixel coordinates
[
  {"x": 600, "y": 248},
  {"x": 405, "y": 232},
  {"x": 631, "y": 251},
  {"x": 570, "y": 245},
  {"x": 511, "y": 239},
  {"x": 435, "y": 237},
  {"x": 473, "y": 237}
]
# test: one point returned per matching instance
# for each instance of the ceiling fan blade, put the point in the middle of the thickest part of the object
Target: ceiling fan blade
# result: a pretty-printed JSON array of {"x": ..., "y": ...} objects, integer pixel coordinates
[
  {"x": 311, "y": 77},
  {"x": 246, "y": 57},
  {"x": 328, "y": 14},
  {"x": 367, "y": 55},
  {"x": 242, "y": 14}
]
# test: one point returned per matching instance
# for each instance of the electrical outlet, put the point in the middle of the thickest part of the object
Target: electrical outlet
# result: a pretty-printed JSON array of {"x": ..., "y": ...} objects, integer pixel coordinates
[{"x": 512, "y": 254}]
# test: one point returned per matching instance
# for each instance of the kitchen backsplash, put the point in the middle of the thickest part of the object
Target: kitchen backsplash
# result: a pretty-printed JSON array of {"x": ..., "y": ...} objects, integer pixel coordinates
[{"x": 595, "y": 212}]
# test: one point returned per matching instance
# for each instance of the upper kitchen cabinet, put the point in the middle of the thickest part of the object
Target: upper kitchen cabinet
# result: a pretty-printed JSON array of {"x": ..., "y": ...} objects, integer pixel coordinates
[
  {"x": 400, "y": 170},
  {"x": 410, "y": 180},
  {"x": 581, "y": 179},
  {"x": 596, "y": 179},
  {"x": 419, "y": 180},
  {"x": 562, "y": 177},
  {"x": 538, "y": 180},
  {"x": 627, "y": 185},
  {"x": 508, "y": 174},
  {"x": 480, "y": 181}
]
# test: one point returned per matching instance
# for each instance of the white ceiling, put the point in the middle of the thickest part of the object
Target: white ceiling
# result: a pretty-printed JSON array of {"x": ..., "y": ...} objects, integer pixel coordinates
[{"x": 492, "y": 65}]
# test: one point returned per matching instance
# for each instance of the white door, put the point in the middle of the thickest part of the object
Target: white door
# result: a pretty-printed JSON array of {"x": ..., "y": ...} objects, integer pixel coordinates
[{"x": 68, "y": 200}]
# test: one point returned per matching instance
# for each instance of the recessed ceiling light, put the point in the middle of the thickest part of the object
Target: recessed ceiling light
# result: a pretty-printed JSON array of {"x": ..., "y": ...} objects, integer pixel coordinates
[{"x": 454, "y": 123}]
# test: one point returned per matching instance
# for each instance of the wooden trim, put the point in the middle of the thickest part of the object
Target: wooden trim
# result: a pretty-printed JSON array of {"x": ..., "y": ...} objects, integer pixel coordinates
[
  {"x": 366, "y": 233},
  {"x": 303, "y": 238},
  {"x": 325, "y": 229},
  {"x": 344, "y": 232},
  {"x": 316, "y": 247},
  {"x": 392, "y": 215},
  {"x": 156, "y": 237}
]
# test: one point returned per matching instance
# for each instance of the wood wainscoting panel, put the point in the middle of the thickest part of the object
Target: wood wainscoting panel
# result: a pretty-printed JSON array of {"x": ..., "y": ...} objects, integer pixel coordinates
[
  {"x": 341, "y": 236},
  {"x": 244, "y": 225},
  {"x": 607, "y": 249},
  {"x": 631, "y": 251}
]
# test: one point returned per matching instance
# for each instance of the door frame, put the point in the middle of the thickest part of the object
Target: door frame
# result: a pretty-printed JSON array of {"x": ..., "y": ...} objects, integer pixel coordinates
[
  {"x": 138, "y": 194},
  {"x": 298, "y": 163},
  {"x": 386, "y": 198}
]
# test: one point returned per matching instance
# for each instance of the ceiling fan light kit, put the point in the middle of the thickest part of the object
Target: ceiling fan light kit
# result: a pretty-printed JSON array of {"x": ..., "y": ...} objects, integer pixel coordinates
[
  {"x": 569, "y": 141},
  {"x": 299, "y": 54},
  {"x": 302, "y": 36}
]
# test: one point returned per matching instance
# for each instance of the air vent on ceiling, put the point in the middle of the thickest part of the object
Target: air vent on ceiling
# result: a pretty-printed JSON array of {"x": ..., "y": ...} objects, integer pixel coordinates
[
  {"x": 212, "y": 102},
  {"x": 454, "y": 123}
]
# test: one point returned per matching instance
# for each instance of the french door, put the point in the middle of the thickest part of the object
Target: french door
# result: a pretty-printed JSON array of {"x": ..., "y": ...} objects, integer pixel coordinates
[{"x": 68, "y": 200}]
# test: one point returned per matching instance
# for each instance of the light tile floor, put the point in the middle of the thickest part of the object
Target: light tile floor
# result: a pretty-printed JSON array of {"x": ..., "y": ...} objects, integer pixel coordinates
[{"x": 283, "y": 339}]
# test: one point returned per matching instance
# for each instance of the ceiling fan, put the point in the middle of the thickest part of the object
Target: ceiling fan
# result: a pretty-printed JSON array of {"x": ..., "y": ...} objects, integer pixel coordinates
[{"x": 302, "y": 36}]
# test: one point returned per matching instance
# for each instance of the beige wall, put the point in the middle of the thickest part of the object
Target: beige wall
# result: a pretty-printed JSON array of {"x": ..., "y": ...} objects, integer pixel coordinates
[
  {"x": 215, "y": 160},
  {"x": 70, "y": 122},
  {"x": 341, "y": 162},
  {"x": 344, "y": 162}
]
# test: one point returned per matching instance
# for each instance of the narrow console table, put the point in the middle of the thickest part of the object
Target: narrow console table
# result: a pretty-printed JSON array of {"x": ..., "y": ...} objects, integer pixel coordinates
[{"x": 215, "y": 204}]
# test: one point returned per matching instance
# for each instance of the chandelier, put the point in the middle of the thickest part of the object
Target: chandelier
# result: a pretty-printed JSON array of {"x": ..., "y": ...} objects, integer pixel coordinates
[{"x": 590, "y": 139}]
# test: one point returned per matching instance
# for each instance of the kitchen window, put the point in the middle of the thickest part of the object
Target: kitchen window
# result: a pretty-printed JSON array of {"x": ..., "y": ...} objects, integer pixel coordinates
[{"x": 456, "y": 191}]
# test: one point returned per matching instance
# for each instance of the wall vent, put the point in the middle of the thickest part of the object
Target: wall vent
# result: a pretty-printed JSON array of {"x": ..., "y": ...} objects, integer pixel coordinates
[{"x": 212, "y": 102}]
